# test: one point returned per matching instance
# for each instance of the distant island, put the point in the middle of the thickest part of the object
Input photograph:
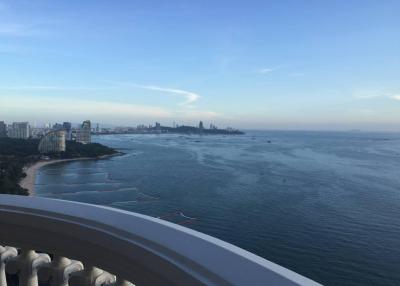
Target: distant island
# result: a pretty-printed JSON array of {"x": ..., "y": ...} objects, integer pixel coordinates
[
  {"x": 178, "y": 129},
  {"x": 16, "y": 154},
  {"x": 195, "y": 130}
]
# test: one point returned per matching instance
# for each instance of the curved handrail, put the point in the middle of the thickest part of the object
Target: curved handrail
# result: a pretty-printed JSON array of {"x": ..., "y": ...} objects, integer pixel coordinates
[{"x": 135, "y": 247}]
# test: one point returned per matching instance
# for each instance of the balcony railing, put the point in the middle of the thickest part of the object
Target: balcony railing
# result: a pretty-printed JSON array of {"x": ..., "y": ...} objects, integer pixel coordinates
[{"x": 106, "y": 246}]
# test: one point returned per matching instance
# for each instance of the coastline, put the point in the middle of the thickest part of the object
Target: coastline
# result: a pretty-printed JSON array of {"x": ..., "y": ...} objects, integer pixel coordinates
[{"x": 29, "y": 181}]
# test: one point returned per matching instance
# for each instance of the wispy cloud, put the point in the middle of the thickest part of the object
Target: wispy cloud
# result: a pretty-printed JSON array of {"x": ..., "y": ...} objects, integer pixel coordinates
[
  {"x": 395, "y": 96},
  {"x": 367, "y": 94},
  {"x": 43, "y": 104},
  {"x": 270, "y": 69},
  {"x": 107, "y": 110},
  {"x": 190, "y": 96},
  {"x": 265, "y": 70},
  {"x": 370, "y": 94}
]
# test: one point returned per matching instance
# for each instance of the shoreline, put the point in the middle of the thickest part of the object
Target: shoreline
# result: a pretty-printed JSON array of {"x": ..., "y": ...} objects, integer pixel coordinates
[{"x": 29, "y": 181}]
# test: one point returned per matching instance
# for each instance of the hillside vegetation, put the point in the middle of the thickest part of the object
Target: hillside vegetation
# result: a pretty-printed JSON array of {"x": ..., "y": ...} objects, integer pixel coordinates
[{"x": 17, "y": 153}]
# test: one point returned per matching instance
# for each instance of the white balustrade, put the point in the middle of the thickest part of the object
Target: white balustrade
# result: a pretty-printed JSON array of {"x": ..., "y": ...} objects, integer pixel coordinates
[
  {"x": 5, "y": 254},
  {"x": 111, "y": 247},
  {"x": 59, "y": 271},
  {"x": 92, "y": 276},
  {"x": 122, "y": 282},
  {"x": 26, "y": 265}
]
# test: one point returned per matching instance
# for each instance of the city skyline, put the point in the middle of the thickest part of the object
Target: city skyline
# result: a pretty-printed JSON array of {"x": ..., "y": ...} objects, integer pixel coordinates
[
  {"x": 261, "y": 65},
  {"x": 67, "y": 125}
]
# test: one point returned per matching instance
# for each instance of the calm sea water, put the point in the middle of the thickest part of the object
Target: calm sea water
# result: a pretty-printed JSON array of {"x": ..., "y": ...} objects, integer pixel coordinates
[{"x": 326, "y": 205}]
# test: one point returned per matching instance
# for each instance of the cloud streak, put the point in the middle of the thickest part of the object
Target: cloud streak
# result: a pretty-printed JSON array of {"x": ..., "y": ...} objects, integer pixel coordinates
[
  {"x": 371, "y": 94},
  {"x": 268, "y": 70},
  {"x": 47, "y": 108},
  {"x": 79, "y": 107},
  {"x": 190, "y": 96},
  {"x": 395, "y": 96},
  {"x": 265, "y": 70}
]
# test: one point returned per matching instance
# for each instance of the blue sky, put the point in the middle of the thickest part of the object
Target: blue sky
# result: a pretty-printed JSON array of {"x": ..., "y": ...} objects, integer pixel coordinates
[{"x": 248, "y": 64}]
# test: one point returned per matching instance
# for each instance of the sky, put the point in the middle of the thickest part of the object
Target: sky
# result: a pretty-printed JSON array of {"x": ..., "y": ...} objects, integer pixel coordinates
[{"x": 285, "y": 64}]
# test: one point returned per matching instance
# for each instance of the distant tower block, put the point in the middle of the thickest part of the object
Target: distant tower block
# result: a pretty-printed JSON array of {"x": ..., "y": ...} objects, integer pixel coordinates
[
  {"x": 19, "y": 130},
  {"x": 53, "y": 142},
  {"x": 83, "y": 134},
  {"x": 3, "y": 129},
  {"x": 67, "y": 126}
]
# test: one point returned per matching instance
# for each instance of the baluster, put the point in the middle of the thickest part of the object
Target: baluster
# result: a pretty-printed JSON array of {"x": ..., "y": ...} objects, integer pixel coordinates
[
  {"x": 5, "y": 254},
  {"x": 122, "y": 282},
  {"x": 91, "y": 276},
  {"x": 26, "y": 266},
  {"x": 59, "y": 271}
]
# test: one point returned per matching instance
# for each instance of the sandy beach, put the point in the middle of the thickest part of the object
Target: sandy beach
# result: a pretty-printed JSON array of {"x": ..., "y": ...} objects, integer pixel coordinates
[{"x": 29, "y": 181}]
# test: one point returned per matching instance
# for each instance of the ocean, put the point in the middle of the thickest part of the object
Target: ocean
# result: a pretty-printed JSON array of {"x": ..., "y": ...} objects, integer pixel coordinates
[{"x": 323, "y": 204}]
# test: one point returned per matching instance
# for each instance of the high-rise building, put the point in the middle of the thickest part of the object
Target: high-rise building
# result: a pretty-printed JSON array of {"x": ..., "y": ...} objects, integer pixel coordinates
[
  {"x": 37, "y": 132},
  {"x": 201, "y": 126},
  {"x": 19, "y": 130},
  {"x": 53, "y": 142},
  {"x": 3, "y": 129},
  {"x": 57, "y": 126},
  {"x": 83, "y": 134},
  {"x": 67, "y": 126}
]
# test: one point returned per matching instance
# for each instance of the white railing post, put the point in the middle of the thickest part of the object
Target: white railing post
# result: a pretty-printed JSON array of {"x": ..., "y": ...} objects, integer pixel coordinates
[
  {"x": 59, "y": 271},
  {"x": 5, "y": 254},
  {"x": 91, "y": 276},
  {"x": 122, "y": 282},
  {"x": 26, "y": 266}
]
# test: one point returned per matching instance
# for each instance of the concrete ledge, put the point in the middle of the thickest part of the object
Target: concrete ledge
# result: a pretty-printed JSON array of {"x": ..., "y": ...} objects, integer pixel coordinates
[{"x": 135, "y": 247}]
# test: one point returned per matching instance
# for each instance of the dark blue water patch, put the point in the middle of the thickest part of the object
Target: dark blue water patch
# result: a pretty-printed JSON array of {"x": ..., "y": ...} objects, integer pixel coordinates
[
  {"x": 323, "y": 204},
  {"x": 65, "y": 188}
]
